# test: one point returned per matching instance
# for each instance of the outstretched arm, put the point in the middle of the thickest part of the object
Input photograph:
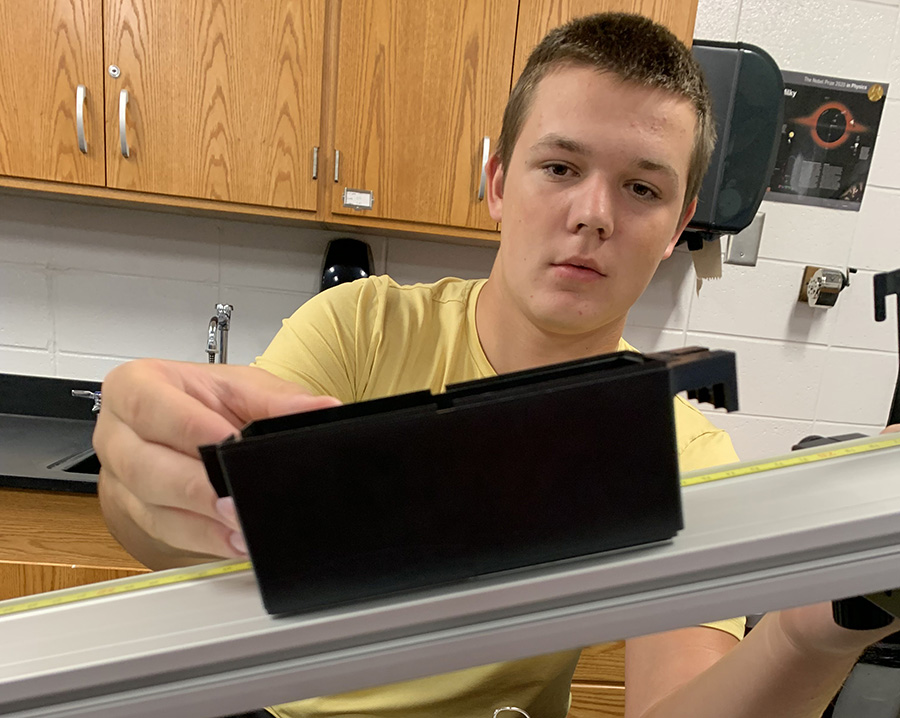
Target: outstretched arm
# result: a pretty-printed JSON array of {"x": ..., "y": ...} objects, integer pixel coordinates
[{"x": 790, "y": 666}]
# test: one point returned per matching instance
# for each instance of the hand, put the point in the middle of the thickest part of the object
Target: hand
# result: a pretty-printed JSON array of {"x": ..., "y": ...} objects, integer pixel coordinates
[
  {"x": 812, "y": 628},
  {"x": 154, "y": 491},
  {"x": 813, "y": 631}
]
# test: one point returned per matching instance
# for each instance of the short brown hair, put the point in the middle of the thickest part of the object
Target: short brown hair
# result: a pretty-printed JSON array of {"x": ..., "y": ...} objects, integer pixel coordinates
[{"x": 634, "y": 48}]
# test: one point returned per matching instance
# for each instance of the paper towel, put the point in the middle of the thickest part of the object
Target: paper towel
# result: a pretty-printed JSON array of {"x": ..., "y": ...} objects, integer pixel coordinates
[{"x": 708, "y": 261}]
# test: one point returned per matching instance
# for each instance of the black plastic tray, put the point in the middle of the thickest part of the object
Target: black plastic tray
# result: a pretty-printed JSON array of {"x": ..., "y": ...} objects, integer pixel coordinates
[{"x": 398, "y": 494}]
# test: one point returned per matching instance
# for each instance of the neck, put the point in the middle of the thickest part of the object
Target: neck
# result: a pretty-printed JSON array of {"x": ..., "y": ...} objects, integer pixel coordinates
[{"x": 512, "y": 342}]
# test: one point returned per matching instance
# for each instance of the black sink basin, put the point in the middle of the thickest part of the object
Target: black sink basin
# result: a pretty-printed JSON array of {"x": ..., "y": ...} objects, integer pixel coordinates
[
  {"x": 45, "y": 434},
  {"x": 84, "y": 462}
]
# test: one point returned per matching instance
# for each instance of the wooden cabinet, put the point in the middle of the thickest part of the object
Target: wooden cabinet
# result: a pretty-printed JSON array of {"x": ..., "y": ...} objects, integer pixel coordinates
[
  {"x": 421, "y": 88},
  {"x": 420, "y": 94},
  {"x": 221, "y": 98},
  {"x": 48, "y": 50},
  {"x": 226, "y": 104},
  {"x": 52, "y": 540}
]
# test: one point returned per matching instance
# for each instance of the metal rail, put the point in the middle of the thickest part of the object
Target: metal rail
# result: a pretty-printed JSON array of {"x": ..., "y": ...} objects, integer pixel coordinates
[{"x": 754, "y": 543}]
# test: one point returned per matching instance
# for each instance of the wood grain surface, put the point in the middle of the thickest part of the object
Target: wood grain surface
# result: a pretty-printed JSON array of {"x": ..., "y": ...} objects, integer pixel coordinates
[
  {"x": 26, "y": 579},
  {"x": 55, "y": 527},
  {"x": 419, "y": 85},
  {"x": 537, "y": 17},
  {"x": 603, "y": 663},
  {"x": 595, "y": 701},
  {"x": 47, "y": 49},
  {"x": 225, "y": 98}
]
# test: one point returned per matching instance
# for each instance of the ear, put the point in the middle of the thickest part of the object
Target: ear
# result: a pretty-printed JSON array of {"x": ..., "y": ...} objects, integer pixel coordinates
[
  {"x": 683, "y": 222},
  {"x": 494, "y": 188}
]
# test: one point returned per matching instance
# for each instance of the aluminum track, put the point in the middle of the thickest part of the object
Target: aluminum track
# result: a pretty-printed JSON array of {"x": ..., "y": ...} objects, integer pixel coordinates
[{"x": 207, "y": 648}]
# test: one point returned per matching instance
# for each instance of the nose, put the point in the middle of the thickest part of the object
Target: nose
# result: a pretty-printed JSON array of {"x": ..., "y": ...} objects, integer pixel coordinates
[{"x": 591, "y": 211}]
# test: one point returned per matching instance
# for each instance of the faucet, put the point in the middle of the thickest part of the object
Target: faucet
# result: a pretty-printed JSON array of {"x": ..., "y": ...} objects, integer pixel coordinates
[{"x": 217, "y": 341}]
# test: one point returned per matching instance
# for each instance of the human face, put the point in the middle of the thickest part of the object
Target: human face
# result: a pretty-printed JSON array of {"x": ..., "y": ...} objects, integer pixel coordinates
[{"x": 591, "y": 201}]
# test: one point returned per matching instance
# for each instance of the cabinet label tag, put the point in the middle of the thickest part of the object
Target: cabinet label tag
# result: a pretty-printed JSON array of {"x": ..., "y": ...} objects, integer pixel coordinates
[{"x": 357, "y": 198}]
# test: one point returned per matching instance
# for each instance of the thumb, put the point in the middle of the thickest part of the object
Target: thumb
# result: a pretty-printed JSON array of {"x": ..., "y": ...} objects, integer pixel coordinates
[
  {"x": 291, "y": 402},
  {"x": 242, "y": 394}
]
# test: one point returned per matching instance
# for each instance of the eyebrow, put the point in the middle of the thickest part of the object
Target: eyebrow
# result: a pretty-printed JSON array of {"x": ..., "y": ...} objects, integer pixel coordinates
[
  {"x": 652, "y": 166},
  {"x": 557, "y": 141},
  {"x": 561, "y": 142}
]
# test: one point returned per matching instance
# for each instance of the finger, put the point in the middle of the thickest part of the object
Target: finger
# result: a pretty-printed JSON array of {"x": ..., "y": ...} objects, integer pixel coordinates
[
  {"x": 189, "y": 405},
  {"x": 156, "y": 474},
  {"x": 180, "y": 529},
  {"x": 249, "y": 393},
  {"x": 142, "y": 395},
  {"x": 890, "y": 429}
]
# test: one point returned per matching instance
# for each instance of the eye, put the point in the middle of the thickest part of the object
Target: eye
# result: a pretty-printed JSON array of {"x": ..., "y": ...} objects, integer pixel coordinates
[
  {"x": 644, "y": 191},
  {"x": 557, "y": 169}
]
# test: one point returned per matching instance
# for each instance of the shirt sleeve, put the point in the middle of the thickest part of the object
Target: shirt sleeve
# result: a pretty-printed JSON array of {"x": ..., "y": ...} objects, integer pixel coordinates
[
  {"x": 710, "y": 448},
  {"x": 317, "y": 346}
]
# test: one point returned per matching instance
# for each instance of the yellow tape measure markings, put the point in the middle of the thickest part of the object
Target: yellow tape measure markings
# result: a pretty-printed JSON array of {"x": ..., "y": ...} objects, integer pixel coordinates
[
  {"x": 166, "y": 578},
  {"x": 790, "y": 461},
  {"x": 152, "y": 580}
]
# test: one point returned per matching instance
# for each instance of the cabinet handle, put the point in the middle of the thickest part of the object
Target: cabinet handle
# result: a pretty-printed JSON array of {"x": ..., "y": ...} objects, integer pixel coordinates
[
  {"x": 315, "y": 163},
  {"x": 337, "y": 164},
  {"x": 485, "y": 155},
  {"x": 79, "y": 117},
  {"x": 123, "y": 138}
]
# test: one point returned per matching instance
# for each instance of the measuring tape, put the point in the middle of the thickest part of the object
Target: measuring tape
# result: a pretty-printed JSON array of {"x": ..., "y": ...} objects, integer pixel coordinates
[
  {"x": 136, "y": 583},
  {"x": 126, "y": 585},
  {"x": 790, "y": 460}
]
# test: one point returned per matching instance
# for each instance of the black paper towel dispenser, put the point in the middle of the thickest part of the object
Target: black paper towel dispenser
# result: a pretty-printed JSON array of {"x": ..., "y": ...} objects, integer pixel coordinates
[{"x": 747, "y": 94}]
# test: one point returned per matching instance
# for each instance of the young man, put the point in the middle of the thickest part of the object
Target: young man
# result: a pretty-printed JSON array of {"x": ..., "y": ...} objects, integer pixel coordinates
[{"x": 605, "y": 140}]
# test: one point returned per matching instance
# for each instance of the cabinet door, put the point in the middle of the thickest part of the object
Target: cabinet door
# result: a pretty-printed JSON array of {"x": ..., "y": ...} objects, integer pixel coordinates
[
  {"x": 537, "y": 17},
  {"x": 223, "y": 98},
  {"x": 419, "y": 86},
  {"x": 48, "y": 49}
]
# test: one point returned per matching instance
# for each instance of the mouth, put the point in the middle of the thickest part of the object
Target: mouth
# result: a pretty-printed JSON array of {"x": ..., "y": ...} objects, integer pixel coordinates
[{"x": 580, "y": 266}]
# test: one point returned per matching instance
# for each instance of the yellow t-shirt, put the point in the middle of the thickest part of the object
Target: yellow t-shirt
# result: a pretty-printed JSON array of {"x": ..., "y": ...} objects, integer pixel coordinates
[{"x": 374, "y": 338}]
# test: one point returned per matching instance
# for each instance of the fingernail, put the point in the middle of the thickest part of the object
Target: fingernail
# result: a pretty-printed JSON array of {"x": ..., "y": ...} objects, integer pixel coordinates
[
  {"x": 237, "y": 541},
  {"x": 319, "y": 402},
  {"x": 225, "y": 509}
]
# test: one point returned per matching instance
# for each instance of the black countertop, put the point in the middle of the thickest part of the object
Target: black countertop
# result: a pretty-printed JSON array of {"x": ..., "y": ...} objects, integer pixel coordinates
[{"x": 45, "y": 434}]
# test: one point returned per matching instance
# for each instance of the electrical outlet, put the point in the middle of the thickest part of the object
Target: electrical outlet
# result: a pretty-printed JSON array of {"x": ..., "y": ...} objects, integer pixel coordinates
[{"x": 743, "y": 248}]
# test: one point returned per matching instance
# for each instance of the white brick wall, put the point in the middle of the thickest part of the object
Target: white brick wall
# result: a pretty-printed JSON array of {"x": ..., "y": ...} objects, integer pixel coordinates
[
  {"x": 803, "y": 371},
  {"x": 84, "y": 288}
]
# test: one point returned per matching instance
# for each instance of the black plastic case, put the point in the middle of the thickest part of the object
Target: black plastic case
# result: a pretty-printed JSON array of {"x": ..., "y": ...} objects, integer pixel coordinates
[{"x": 365, "y": 500}]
